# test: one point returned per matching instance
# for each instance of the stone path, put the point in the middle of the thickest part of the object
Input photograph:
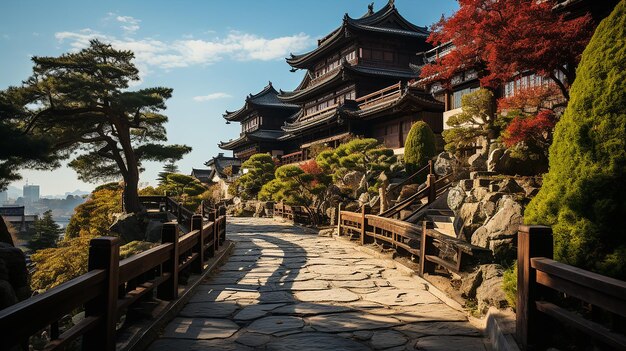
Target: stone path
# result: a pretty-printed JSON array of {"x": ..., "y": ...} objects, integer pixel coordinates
[{"x": 283, "y": 289}]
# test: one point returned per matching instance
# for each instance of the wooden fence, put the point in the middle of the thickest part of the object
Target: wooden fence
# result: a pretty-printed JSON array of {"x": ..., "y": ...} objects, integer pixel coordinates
[
  {"x": 433, "y": 248},
  {"x": 296, "y": 214},
  {"x": 112, "y": 286},
  {"x": 542, "y": 283}
]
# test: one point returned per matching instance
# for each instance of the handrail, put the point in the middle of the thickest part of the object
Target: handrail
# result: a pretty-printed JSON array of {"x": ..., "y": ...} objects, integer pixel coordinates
[
  {"x": 26, "y": 318},
  {"x": 381, "y": 92},
  {"x": 317, "y": 113},
  {"x": 410, "y": 178},
  {"x": 405, "y": 203},
  {"x": 111, "y": 285},
  {"x": 539, "y": 275}
]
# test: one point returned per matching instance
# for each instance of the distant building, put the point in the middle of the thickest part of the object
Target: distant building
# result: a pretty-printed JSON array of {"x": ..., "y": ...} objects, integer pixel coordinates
[
  {"x": 31, "y": 194},
  {"x": 223, "y": 171},
  {"x": 15, "y": 215},
  {"x": 4, "y": 197}
]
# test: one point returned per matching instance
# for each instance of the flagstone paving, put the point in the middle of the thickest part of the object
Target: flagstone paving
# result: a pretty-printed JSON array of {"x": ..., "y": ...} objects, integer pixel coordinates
[{"x": 285, "y": 289}]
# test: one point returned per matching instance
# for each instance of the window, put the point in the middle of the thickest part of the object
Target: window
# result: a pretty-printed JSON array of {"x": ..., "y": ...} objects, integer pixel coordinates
[
  {"x": 457, "y": 95},
  {"x": 388, "y": 56}
]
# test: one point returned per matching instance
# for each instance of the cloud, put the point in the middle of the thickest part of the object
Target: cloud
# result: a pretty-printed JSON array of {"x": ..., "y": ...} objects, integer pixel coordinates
[
  {"x": 212, "y": 96},
  {"x": 153, "y": 54},
  {"x": 130, "y": 24}
]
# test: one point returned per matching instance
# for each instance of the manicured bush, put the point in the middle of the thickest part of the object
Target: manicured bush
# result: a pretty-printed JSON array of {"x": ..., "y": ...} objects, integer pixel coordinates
[
  {"x": 584, "y": 194},
  {"x": 419, "y": 147}
]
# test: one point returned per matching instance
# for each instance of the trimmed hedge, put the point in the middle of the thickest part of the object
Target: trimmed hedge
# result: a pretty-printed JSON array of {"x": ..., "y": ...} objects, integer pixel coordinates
[
  {"x": 419, "y": 147},
  {"x": 584, "y": 193}
]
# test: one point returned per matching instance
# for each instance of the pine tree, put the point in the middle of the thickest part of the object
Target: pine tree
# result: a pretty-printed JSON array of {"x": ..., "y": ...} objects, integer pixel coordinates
[
  {"x": 82, "y": 104},
  {"x": 47, "y": 232}
]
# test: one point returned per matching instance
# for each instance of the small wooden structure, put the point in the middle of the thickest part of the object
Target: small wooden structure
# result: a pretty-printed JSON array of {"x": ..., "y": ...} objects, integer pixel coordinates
[
  {"x": 112, "y": 286},
  {"x": 542, "y": 282}
]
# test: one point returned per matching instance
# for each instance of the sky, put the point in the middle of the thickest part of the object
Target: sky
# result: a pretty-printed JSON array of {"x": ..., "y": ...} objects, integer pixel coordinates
[{"x": 212, "y": 53}]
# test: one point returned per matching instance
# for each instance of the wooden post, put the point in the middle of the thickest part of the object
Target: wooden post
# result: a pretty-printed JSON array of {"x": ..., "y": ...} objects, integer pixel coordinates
[
  {"x": 214, "y": 228},
  {"x": 532, "y": 241},
  {"x": 222, "y": 214},
  {"x": 104, "y": 253},
  {"x": 168, "y": 290},
  {"x": 339, "y": 219},
  {"x": 202, "y": 208},
  {"x": 364, "y": 211},
  {"x": 198, "y": 264},
  {"x": 431, "y": 180},
  {"x": 426, "y": 245}
]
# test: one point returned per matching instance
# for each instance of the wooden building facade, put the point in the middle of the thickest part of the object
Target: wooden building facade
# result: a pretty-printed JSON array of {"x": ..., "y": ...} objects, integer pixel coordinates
[{"x": 356, "y": 83}]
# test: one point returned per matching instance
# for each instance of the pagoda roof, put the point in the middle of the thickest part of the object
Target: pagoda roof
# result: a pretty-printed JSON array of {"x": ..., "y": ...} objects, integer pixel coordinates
[
  {"x": 386, "y": 21},
  {"x": 219, "y": 163},
  {"x": 344, "y": 73},
  {"x": 203, "y": 175},
  {"x": 266, "y": 98},
  {"x": 410, "y": 98},
  {"x": 414, "y": 99},
  {"x": 254, "y": 136}
]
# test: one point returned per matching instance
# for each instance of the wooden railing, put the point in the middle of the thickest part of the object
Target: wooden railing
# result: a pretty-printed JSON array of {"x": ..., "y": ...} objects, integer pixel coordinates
[
  {"x": 319, "y": 112},
  {"x": 112, "y": 286},
  {"x": 434, "y": 187},
  {"x": 380, "y": 95},
  {"x": 542, "y": 281},
  {"x": 421, "y": 241},
  {"x": 296, "y": 214},
  {"x": 413, "y": 177},
  {"x": 293, "y": 157}
]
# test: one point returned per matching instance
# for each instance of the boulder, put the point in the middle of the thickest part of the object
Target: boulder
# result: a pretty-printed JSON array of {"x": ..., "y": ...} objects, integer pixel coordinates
[
  {"x": 500, "y": 231},
  {"x": 467, "y": 184},
  {"x": 490, "y": 292},
  {"x": 129, "y": 227},
  {"x": 444, "y": 163},
  {"x": 259, "y": 210},
  {"x": 510, "y": 186},
  {"x": 364, "y": 198},
  {"x": 490, "y": 203},
  {"x": 471, "y": 216},
  {"x": 327, "y": 232},
  {"x": 407, "y": 191},
  {"x": 352, "y": 179},
  {"x": 494, "y": 158},
  {"x": 470, "y": 283},
  {"x": 477, "y": 194},
  {"x": 456, "y": 196},
  {"x": 13, "y": 275},
  {"x": 153, "y": 231},
  {"x": 477, "y": 162}
]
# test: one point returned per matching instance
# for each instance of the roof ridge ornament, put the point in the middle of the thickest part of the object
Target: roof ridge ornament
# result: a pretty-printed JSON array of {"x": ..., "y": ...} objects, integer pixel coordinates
[
  {"x": 370, "y": 9},
  {"x": 392, "y": 3}
]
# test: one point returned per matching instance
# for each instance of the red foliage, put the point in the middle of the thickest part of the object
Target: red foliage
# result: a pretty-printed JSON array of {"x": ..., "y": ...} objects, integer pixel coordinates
[
  {"x": 508, "y": 37},
  {"x": 529, "y": 99},
  {"x": 311, "y": 167},
  {"x": 534, "y": 130}
]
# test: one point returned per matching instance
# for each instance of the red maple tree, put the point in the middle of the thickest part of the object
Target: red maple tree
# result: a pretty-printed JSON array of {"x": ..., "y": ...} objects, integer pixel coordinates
[
  {"x": 531, "y": 99},
  {"x": 534, "y": 131},
  {"x": 504, "y": 38}
]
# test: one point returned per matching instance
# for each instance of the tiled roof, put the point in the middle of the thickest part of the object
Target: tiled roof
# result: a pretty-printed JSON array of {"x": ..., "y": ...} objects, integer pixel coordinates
[{"x": 265, "y": 98}]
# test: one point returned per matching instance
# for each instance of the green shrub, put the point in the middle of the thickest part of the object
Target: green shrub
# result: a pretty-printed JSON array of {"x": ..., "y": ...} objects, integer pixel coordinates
[
  {"x": 259, "y": 169},
  {"x": 419, "y": 147},
  {"x": 509, "y": 284},
  {"x": 583, "y": 196}
]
